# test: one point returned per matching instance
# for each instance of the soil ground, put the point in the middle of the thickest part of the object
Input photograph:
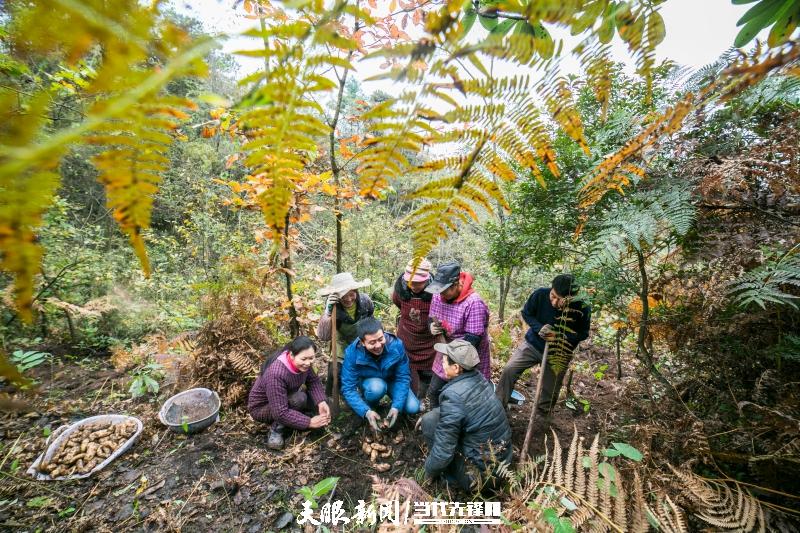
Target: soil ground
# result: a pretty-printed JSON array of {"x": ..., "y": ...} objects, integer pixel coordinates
[{"x": 223, "y": 479}]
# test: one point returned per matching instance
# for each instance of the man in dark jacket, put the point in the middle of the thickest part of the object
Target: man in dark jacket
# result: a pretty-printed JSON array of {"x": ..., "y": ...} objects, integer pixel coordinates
[
  {"x": 470, "y": 426},
  {"x": 553, "y": 316}
]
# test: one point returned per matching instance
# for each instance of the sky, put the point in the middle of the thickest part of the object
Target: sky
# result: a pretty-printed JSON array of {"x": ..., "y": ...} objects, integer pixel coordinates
[{"x": 698, "y": 31}]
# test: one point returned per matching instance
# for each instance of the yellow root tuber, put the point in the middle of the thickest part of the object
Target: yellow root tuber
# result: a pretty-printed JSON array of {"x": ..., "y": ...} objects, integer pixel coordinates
[{"x": 86, "y": 447}]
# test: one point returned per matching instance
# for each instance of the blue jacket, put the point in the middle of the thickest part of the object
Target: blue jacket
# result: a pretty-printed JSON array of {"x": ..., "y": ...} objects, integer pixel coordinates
[
  {"x": 538, "y": 311},
  {"x": 392, "y": 367}
]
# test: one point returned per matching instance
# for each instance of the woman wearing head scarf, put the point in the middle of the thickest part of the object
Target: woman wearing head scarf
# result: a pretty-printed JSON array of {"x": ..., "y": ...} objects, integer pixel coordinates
[{"x": 414, "y": 302}]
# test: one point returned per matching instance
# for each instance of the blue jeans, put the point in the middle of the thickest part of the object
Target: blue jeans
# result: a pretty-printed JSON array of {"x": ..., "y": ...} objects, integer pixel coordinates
[{"x": 376, "y": 388}]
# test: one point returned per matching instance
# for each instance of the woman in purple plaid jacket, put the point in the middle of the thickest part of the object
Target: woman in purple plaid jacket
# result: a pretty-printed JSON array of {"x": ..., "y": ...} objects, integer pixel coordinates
[{"x": 288, "y": 392}]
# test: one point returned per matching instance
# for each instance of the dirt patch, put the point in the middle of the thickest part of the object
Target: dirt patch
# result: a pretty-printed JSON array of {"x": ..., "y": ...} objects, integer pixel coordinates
[
  {"x": 223, "y": 478},
  {"x": 188, "y": 411}
]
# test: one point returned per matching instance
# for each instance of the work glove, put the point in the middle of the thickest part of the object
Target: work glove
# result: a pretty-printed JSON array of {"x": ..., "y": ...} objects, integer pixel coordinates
[
  {"x": 391, "y": 418},
  {"x": 436, "y": 328},
  {"x": 373, "y": 418},
  {"x": 546, "y": 331},
  {"x": 332, "y": 300}
]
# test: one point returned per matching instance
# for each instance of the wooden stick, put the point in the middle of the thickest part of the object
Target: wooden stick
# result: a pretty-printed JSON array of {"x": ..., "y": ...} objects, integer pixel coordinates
[
  {"x": 334, "y": 364},
  {"x": 534, "y": 407}
]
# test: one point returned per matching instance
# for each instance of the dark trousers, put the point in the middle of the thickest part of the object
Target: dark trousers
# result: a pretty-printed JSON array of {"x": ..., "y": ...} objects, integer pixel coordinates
[
  {"x": 524, "y": 357},
  {"x": 420, "y": 380},
  {"x": 434, "y": 389},
  {"x": 456, "y": 471},
  {"x": 298, "y": 401}
]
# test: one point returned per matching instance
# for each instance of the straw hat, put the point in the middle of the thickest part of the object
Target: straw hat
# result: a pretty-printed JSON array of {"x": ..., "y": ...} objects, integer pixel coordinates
[
  {"x": 343, "y": 283},
  {"x": 423, "y": 272}
]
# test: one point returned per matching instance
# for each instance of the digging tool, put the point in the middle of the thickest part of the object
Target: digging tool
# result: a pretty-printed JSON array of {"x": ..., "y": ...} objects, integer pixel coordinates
[
  {"x": 334, "y": 364},
  {"x": 535, "y": 406}
]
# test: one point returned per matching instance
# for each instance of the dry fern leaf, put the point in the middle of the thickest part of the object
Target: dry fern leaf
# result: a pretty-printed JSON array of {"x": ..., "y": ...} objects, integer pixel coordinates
[
  {"x": 720, "y": 505},
  {"x": 241, "y": 364}
]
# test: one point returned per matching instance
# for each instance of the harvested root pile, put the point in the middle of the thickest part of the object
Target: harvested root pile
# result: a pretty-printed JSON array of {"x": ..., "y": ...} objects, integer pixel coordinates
[
  {"x": 377, "y": 450},
  {"x": 87, "y": 447}
]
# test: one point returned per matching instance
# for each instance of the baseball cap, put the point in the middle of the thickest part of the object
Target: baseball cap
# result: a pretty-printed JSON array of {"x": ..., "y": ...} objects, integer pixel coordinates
[
  {"x": 446, "y": 275},
  {"x": 461, "y": 352}
]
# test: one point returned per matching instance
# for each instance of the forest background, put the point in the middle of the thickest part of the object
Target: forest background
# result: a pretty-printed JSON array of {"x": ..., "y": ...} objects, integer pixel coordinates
[{"x": 671, "y": 195}]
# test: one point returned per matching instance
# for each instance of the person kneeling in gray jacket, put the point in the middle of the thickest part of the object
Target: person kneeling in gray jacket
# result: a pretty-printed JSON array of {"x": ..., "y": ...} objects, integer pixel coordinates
[{"x": 469, "y": 428}]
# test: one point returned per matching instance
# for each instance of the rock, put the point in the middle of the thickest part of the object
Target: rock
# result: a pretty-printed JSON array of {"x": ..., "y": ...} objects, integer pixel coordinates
[
  {"x": 283, "y": 520},
  {"x": 124, "y": 512},
  {"x": 130, "y": 476}
]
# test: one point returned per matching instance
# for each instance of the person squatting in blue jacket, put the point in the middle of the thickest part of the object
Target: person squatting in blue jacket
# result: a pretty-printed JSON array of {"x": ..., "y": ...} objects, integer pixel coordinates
[{"x": 375, "y": 365}]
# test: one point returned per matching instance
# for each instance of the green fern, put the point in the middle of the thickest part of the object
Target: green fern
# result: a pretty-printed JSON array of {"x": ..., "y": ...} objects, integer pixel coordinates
[
  {"x": 649, "y": 217},
  {"x": 788, "y": 348},
  {"x": 766, "y": 284}
]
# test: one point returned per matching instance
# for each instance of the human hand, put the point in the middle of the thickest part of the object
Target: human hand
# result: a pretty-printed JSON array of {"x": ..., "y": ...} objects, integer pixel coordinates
[
  {"x": 373, "y": 418},
  {"x": 436, "y": 328},
  {"x": 319, "y": 421},
  {"x": 332, "y": 300},
  {"x": 418, "y": 424},
  {"x": 546, "y": 332},
  {"x": 324, "y": 409},
  {"x": 391, "y": 418}
]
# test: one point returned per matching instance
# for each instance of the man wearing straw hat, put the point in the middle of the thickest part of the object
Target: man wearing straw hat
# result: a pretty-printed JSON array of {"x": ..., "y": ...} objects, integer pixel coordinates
[
  {"x": 414, "y": 302},
  {"x": 351, "y": 306}
]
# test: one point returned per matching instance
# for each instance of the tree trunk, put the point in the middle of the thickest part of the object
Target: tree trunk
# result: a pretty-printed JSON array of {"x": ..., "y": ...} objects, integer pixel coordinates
[
  {"x": 642, "y": 350},
  {"x": 335, "y": 169},
  {"x": 294, "y": 325},
  {"x": 505, "y": 287}
]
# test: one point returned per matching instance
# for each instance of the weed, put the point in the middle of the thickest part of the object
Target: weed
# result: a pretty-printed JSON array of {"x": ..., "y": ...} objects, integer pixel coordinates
[
  {"x": 145, "y": 380},
  {"x": 318, "y": 491}
]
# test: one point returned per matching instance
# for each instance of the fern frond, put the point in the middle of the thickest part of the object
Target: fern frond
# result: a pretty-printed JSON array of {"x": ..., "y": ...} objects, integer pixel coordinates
[
  {"x": 595, "y": 59},
  {"x": 649, "y": 216},
  {"x": 764, "y": 284},
  {"x": 572, "y": 454},
  {"x": 122, "y": 87},
  {"x": 639, "y": 509},
  {"x": 719, "y": 505},
  {"x": 594, "y": 473},
  {"x": 558, "y": 466},
  {"x": 671, "y": 516},
  {"x": 742, "y": 73},
  {"x": 606, "y": 177},
  {"x": 134, "y": 156}
]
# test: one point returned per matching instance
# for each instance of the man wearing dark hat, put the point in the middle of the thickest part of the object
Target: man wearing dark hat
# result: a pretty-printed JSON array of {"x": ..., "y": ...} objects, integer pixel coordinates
[
  {"x": 555, "y": 316},
  {"x": 469, "y": 428},
  {"x": 457, "y": 312}
]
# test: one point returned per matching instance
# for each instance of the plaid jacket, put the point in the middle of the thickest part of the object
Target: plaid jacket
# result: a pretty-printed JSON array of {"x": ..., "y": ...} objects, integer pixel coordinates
[
  {"x": 471, "y": 315},
  {"x": 269, "y": 397}
]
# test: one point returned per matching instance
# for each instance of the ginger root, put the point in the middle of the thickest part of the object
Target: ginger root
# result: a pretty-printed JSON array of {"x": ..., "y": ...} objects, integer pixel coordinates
[{"x": 86, "y": 447}]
